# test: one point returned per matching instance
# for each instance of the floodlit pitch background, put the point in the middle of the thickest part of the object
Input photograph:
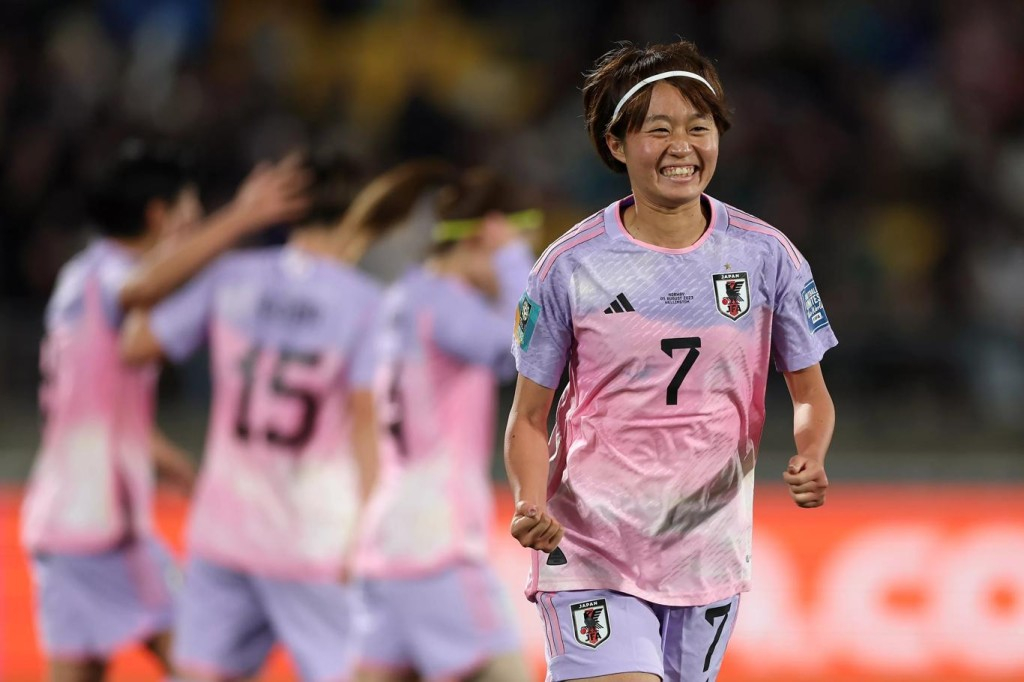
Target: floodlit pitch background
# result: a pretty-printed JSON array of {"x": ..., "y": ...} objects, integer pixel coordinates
[{"x": 885, "y": 138}]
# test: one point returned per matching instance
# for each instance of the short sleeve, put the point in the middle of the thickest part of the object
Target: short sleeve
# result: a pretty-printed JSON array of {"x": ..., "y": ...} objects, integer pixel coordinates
[
  {"x": 113, "y": 275},
  {"x": 180, "y": 322},
  {"x": 542, "y": 333},
  {"x": 801, "y": 332},
  {"x": 364, "y": 353}
]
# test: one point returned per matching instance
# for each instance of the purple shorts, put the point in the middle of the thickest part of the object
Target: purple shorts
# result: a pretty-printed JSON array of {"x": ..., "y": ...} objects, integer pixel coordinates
[
  {"x": 445, "y": 624},
  {"x": 228, "y": 621},
  {"x": 600, "y": 632},
  {"x": 91, "y": 605}
]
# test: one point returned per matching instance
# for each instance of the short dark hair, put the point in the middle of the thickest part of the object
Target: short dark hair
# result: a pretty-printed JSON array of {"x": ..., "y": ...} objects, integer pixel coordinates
[
  {"x": 388, "y": 198},
  {"x": 477, "y": 192},
  {"x": 337, "y": 178},
  {"x": 623, "y": 67},
  {"x": 138, "y": 173}
]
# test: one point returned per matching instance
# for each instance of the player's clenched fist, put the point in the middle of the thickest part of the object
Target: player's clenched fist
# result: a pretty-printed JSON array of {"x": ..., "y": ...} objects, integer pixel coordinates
[
  {"x": 807, "y": 481},
  {"x": 535, "y": 529}
]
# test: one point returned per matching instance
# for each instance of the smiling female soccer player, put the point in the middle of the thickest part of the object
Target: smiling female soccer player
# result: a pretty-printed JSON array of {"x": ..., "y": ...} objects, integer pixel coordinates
[{"x": 668, "y": 306}]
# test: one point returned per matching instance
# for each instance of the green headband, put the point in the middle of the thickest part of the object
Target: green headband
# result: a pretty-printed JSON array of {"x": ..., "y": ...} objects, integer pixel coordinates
[{"x": 454, "y": 230}]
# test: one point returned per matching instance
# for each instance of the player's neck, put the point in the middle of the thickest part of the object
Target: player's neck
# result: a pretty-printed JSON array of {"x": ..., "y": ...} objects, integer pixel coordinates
[
  {"x": 347, "y": 246},
  {"x": 671, "y": 229},
  {"x": 465, "y": 267},
  {"x": 135, "y": 245},
  {"x": 447, "y": 264}
]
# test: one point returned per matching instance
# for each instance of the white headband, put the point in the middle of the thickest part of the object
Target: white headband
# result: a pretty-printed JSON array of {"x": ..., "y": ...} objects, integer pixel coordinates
[{"x": 656, "y": 77}]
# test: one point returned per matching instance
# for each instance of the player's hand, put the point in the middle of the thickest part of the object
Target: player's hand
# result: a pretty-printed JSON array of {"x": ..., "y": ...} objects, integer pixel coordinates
[
  {"x": 273, "y": 193},
  {"x": 807, "y": 481},
  {"x": 535, "y": 529},
  {"x": 184, "y": 220}
]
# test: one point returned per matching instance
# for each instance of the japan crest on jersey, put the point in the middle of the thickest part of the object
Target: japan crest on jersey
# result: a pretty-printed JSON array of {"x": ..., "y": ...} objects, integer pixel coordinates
[
  {"x": 732, "y": 294},
  {"x": 590, "y": 622}
]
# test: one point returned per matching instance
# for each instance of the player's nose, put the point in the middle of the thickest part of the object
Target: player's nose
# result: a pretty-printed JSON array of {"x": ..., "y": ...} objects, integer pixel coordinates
[{"x": 680, "y": 146}]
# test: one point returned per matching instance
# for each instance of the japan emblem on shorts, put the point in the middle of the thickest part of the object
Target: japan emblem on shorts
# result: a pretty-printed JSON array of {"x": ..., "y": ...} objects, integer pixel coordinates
[
  {"x": 732, "y": 294},
  {"x": 590, "y": 622}
]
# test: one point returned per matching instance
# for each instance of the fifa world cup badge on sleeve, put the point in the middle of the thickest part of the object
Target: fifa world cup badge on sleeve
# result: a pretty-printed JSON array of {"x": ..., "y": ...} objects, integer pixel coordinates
[
  {"x": 590, "y": 622},
  {"x": 526, "y": 321},
  {"x": 732, "y": 294},
  {"x": 816, "y": 318}
]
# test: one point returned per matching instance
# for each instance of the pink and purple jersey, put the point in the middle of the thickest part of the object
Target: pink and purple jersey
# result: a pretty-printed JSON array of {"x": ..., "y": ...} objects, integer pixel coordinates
[
  {"x": 290, "y": 337},
  {"x": 91, "y": 485},
  {"x": 656, "y": 434},
  {"x": 444, "y": 347}
]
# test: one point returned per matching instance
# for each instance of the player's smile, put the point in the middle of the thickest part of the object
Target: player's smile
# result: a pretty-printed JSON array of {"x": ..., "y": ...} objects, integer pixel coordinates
[{"x": 682, "y": 173}]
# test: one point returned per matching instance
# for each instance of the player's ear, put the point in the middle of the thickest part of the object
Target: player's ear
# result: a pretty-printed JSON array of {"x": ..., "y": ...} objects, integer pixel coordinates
[{"x": 616, "y": 146}]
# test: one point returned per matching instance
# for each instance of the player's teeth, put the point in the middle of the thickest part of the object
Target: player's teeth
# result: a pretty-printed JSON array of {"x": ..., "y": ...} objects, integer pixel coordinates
[{"x": 685, "y": 170}]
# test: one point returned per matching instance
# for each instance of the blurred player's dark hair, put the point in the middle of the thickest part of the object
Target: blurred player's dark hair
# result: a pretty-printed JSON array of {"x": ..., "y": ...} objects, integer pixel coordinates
[
  {"x": 477, "y": 192},
  {"x": 336, "y": 179},
  {"x": 387, "y": 200},
  {"x": 620, "y": 69},
  {"x": 139, "y": 173}
]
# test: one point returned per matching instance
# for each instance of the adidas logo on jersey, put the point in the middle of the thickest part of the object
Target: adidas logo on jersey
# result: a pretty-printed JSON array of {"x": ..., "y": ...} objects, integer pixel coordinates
[{"x": 621, "y": 304}]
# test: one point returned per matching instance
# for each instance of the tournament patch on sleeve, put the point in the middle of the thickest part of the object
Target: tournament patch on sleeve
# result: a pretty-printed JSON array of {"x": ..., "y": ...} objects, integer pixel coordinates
[
  {"x": 526, "y": 321},
  {"x": 815, "y": 311}
]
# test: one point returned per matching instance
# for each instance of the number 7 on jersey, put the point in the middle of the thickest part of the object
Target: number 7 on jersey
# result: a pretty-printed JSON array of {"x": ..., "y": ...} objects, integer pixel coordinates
[{"x": 669, "y": 345}]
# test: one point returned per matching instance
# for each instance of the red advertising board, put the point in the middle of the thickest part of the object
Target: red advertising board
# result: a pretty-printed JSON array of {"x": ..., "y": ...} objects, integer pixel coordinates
[{"x": 885, "y": 583}]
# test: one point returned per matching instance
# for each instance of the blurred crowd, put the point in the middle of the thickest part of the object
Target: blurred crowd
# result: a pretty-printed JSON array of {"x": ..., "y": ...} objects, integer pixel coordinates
[{"x": 885, "y": 138}]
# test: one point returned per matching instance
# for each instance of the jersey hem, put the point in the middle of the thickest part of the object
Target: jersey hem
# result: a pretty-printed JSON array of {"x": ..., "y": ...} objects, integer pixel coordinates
[
  {"x": 686, "y": 599},
  {"x": 87, "y": 547},
  {"x": 308, "y": 573},
  {"x": 420, "y": 571}
]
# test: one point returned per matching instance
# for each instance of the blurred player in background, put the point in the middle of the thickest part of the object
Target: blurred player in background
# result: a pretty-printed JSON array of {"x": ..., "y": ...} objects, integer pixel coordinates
[
  {"x": 101, "y": 575},
  {"x": 668, "y": 306},
  {"x": 291, "y": 448},
  {"x": 433, "y": 605}
]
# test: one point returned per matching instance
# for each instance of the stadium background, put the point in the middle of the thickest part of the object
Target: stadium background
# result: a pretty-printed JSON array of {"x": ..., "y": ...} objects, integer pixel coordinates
[{"x": 885, "y": 138}]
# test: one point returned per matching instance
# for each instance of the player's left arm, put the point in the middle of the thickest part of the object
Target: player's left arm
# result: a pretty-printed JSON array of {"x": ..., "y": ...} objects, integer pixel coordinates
[
  {"x": 364, "y": 440},
  {"x": 138, "y": 344},
  {"x": 173, "y": 465},
  {"x": 814, "y": 419}
]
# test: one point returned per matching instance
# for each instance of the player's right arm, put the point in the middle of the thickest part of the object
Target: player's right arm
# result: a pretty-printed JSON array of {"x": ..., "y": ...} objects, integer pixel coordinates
[
  {"x": 271, "y": 194},
  {"x": 542, "y": 336},
  {"x": 526, "y": 461}
]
